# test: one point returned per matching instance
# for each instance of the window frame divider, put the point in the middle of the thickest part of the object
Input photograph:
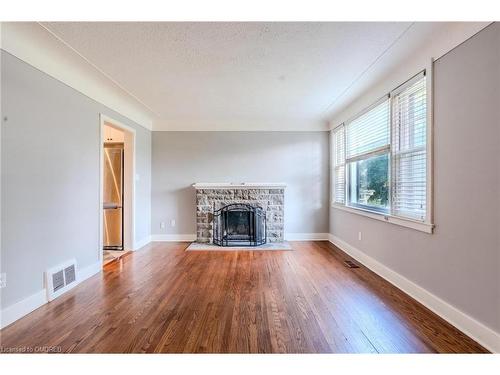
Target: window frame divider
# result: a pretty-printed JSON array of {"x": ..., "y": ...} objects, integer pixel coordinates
[{"x": 378, "y": 151}]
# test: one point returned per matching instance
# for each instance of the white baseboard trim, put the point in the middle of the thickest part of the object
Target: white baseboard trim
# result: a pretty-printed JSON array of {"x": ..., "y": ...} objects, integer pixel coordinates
[
  {"x": 16, "y": 311},
  {"x": 307, "y": 236},
  {"x": 468, "y": 325},
  {"x": 141, "y": 243},
  {"x": 89, "y": 271},
  {"x": 174, "y": 237},
  {"x": 288, "y": 237}
]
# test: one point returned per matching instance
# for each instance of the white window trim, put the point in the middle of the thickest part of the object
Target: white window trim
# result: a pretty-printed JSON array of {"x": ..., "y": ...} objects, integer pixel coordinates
[
  {"x": 428, "y": 225},
  {"x": 408, "y": 223},
  {"x": 429, "y": 71}
]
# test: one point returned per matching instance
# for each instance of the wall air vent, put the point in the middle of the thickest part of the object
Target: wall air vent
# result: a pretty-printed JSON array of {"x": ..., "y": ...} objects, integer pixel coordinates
[
  {"x": 69, "y": 274},
  {"x": 57, "y": 281},
  {"x": 60, "y": 279}
]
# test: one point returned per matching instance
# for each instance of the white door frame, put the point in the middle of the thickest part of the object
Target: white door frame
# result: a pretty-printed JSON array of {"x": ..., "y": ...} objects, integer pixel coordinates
[{"x": 129, "y": 204}]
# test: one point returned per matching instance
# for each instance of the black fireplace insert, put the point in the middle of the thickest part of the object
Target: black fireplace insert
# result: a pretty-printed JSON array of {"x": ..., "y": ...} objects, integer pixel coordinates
[{"x": 239, "y": 224}]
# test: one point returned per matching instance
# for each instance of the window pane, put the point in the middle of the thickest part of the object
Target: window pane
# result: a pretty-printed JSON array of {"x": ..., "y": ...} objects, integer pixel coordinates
[
  {"x": 369, "y": 131},
  {"x": 369, "y": 182},
  {"x": 339, "y": 186},
  {"x": 338, "y": 145},
  {"x": 409, "y": 156},
  {"x": 338, "y": 142},
  {"x": 409, "y": 117},
  {"x": 409, "y": 197}
]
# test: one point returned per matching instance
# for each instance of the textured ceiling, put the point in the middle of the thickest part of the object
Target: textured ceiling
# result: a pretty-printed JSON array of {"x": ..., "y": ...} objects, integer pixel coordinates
[{"x": 233, "y": 76}]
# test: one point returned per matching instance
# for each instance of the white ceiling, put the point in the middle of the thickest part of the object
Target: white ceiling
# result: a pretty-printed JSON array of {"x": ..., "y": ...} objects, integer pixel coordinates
[{"x": 238, "y": 76}]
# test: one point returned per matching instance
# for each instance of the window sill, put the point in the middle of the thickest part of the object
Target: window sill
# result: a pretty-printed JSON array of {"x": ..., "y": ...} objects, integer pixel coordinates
[{"x": 408, "y": 223}]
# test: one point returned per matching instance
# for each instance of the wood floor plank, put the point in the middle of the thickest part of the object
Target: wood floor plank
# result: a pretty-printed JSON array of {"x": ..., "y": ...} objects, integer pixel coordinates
[{"x": 163, "y": 299}]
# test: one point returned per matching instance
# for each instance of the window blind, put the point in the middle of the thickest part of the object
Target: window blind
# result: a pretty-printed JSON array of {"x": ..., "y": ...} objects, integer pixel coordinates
[
  {"x": 408, "y": 149},
  {"x": 339, "y": 164},
  {"x": 369, "y": 131}
]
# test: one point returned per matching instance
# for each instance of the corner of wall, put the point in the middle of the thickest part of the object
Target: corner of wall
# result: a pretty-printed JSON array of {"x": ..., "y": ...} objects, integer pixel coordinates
[
  {"x": 141, "y": 243},
  {"x": 35, "y": 45}
]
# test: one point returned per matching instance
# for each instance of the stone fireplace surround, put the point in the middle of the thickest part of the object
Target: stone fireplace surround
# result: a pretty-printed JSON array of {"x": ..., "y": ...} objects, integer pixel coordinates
[{"x": 213, "y": 196}]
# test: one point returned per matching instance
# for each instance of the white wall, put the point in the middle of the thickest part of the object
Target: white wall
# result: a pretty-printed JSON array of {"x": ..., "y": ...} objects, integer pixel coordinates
[
  {"x": 401, "y": 62},
  {"x": 460, "y": 262},
  {"x": 50, "y": 178},
  {"x": 32, "y": 43},
  {"x": 299, "y": 159}
]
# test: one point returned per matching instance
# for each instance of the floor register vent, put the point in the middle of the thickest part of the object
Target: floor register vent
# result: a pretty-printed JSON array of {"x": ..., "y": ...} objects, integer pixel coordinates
[
  {"x": 350, "y": 264},
  {"x": 60, "y": 279}
]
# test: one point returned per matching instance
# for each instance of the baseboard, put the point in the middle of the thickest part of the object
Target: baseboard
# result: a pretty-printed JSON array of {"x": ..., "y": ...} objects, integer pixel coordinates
[
  {"x": 89, "y": 271},
  {"x": 16, "y": 311},
  {"x": 468, "y": 325},
  {"x": 307, "y": 236},
  {"x": 288, "y": 237},
  {"x": 174, "y": 237},
  {"x": 142, "y": 243}
]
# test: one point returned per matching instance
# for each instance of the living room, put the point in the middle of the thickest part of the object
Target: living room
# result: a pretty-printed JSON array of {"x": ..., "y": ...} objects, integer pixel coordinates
[{"x": 250, "y": 187}]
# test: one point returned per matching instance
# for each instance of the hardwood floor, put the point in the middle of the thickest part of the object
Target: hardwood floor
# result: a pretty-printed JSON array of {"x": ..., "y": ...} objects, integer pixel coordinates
[
  {"x": 112, "y": 255},
  {"x": 163, "y": 299}
]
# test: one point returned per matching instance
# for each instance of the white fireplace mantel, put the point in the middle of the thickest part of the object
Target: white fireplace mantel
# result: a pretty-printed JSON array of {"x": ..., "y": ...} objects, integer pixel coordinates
[{"x": 239, "y": 185}]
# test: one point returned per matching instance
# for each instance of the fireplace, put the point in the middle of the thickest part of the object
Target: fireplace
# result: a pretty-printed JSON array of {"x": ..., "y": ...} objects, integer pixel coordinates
[
  {"x": 239, "y": 224},
  {"x": 211, "y": 197}
]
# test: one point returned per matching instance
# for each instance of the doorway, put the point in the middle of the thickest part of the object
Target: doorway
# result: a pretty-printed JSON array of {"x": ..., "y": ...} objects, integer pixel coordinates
[{"x": 117, "y": 167}]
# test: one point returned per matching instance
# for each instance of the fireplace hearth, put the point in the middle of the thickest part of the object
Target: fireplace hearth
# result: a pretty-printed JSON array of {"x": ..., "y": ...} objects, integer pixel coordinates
[{"x": 239, "y": 224}]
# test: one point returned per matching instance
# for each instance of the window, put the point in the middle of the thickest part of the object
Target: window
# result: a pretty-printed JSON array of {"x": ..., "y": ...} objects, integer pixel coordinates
[
  {"x": 409, "y": 133},
  {"x": 339, "y": 165},
  {"x": 380, "y": 156},
  {"x": 367, "y": 158}
]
